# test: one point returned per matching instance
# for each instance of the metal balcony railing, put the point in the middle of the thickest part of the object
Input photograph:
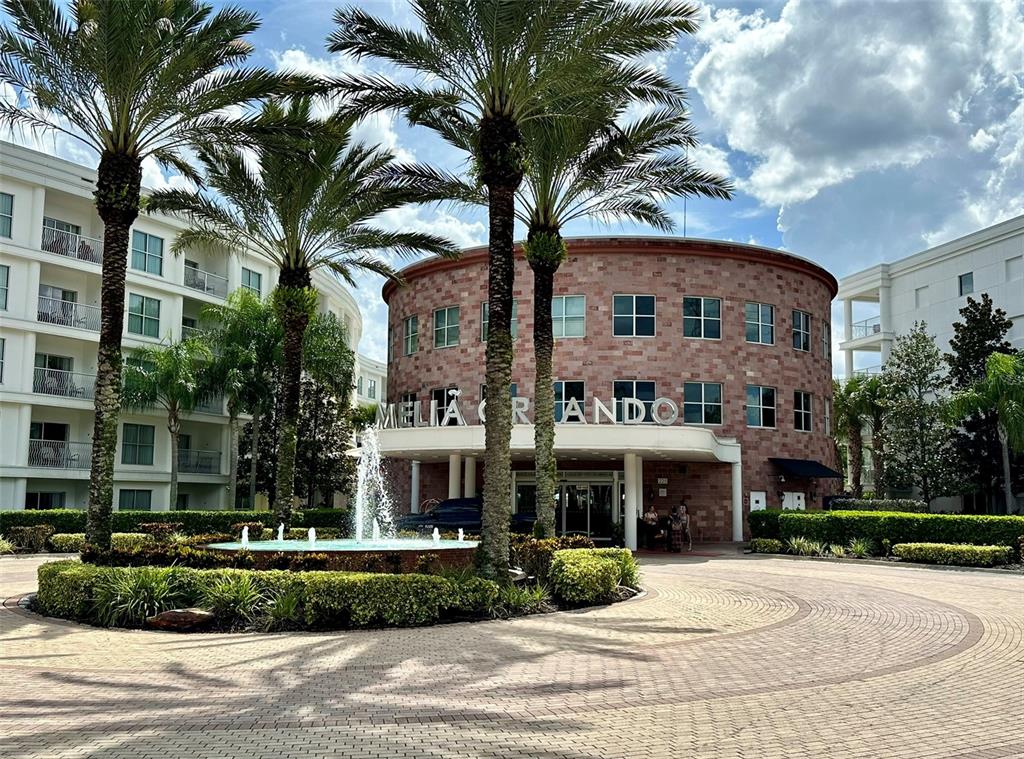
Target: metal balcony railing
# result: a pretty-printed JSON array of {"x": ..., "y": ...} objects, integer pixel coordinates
[
  {"x": 211, "y": 405},
  {"x": 867, "y": 371},
  {"x": 206, "y": 282},
  {"x": 187, "y": 332},
  {"x": 866, "y": 327},
  {"x": 199, "y": 462},
  {"x": 60, "y": 382},
  {"x": 59, "y": 454},
  {"x": 73, "y": 246},
  {"x": 68, "y": 314}
]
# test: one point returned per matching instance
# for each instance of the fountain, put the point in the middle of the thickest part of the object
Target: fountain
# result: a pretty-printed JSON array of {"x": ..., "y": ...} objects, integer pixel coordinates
[
  {"x": 372, "y": 513},
  {"x": 245, "y": 537},
  {"x": 462, "y": 535}
]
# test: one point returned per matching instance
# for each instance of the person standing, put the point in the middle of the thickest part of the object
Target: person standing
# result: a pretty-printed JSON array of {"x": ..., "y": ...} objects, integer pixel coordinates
[
  {"x": 650, "y": 526},
  {"x": 679, "y": 529}
]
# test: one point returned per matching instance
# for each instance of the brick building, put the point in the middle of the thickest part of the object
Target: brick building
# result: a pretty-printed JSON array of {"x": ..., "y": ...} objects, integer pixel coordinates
[{"x": 683, "y": 368}]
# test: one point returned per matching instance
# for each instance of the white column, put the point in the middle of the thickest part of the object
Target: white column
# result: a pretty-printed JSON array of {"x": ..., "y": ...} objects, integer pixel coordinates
[
  {"x": 414, "y": 489},
  {"x": 35, "y": 239},
  {"x": 629, "y": 518},
  {"x": 28, "y": 356},
  {"x": 639, "y": 484},
  {"x": 22, "y": 431},
  {"x": 469, "y": 488},
  {"x": 454, "y": 475},
  {"x": 737, "y": 502},
  {"x": 886, "y": 350},
  {"x": 884, "y": 309},
  {"x": 848, "y": 364},
  {"x": 848, "y": 319}
]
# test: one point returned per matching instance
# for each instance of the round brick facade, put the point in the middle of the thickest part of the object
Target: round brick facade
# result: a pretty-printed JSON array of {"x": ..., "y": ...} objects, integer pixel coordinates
[{"x": 669, "y": 269}]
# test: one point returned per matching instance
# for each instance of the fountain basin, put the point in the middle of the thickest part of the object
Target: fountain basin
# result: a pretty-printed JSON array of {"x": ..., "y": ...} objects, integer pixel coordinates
[{"x": 402, "y": 555}]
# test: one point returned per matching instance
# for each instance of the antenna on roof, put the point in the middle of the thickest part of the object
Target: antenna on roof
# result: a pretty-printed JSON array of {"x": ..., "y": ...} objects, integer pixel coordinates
[{"x": 686, "y": 161}]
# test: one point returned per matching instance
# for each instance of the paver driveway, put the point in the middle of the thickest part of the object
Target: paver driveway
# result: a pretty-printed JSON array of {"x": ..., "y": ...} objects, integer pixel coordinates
[{"x": 731, "y": 657}]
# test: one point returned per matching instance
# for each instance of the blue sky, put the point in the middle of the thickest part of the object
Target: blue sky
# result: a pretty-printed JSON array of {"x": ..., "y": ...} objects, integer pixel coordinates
[{"x": 856, "y": 132}]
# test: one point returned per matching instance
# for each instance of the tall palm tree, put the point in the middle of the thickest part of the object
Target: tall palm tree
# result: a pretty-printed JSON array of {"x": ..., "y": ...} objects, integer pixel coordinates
[
  {"x": 308, "y": 204},
  {"x": 1001, "y": 390},
  {"x": 848, "y": 425},
  {"x": 872, "y": 400},
  {"x": 487, "y": 68},
  {"x": 247, "y": 351},
  {"x": 170, "y": 376},
  {"x": 130, "y": 80}
]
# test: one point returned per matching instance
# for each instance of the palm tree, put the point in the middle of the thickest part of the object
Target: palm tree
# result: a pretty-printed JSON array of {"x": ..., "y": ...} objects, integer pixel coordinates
[
  {"x": 872, "y": 401},
  {"x": 247, "y": 351},
  {"x": 848, "y": 421},
  {"x": 174, "y": 377},
  {"x": 132, "y": 81},
  {"x": 1001, "y": 390},
  {"x": 487, "y": 68},
  {"x": 308, "y": 204}
]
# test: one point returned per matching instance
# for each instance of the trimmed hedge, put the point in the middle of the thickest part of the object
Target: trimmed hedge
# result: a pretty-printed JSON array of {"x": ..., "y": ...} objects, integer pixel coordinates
[
  {"x": 764, "y": 523},
  {"x": 534, "y": 555},
  {"x": 74, "y": 542},
  {"x": 839, "y": 527},
  {"x": 581, "y": 578},
  {"x": 907, "y": 505},
  {"x": 192, "y": 522},
  {"x": 954, "y": 554},
  {"x": 767, "y": 545}
]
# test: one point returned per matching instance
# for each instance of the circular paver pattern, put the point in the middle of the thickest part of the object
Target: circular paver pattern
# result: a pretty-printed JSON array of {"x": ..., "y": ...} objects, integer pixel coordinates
[{"x": 729, "y": 657}]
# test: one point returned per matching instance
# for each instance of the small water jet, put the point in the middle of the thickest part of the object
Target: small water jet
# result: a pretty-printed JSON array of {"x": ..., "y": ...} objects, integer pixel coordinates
[
  {"x": 312, "y": 538},
  {"x": 245, "y": 537},
  {"x": 280, "y": 531},
  {"x": 372, "y": 501}
]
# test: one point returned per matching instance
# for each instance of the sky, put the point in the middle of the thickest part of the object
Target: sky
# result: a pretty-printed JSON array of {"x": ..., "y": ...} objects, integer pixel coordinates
[{"x": 855, "y": 132}]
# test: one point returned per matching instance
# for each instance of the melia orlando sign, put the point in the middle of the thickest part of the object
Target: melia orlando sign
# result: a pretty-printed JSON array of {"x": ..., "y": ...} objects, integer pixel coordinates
[{"x": 663, "y": 411}]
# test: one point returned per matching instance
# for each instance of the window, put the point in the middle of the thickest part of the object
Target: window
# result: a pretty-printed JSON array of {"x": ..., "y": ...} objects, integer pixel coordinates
[
  {"x": 828, "y": 417},
  {"x": 566, "y": 391},
  {"x": 371, "y": 389},
  {"x": 6, "y": 214},
  {"x": 44, "y": 501},
  {"x": 966, "y": 283},
  {"x": 182, "y": 503},
  {"x": 446, "y": 327},
  {"x": 512, "y": 390},
  {"x": 135, "y": 500},
  {"x": 5, "y": 277},
  {"x": 702, "y": 318},
  {"x": 143, "y": 315},
  {"x": 485, "y": 311},
  {"x": 411, "y": 335},
  {"x": 3, "y": 352},
  {"x": 359, "y": 384},
  {"x": 801, "y": 411},
  {"x": 760, "y": 320},
  {"x": 633, "y": 315},
  {"x": 702, "y": 403},
  {"x": 760, "y": 406},
  {"x": 147, "y": 253},
  {"x": 442, "y": 398},
  {"x": 826, "y": 341},
  {"x": 801, "y": 330},
  {"x": 48, "y": 431},
  {"x": 407, "y": 409},
  {"x": 61, "y": 226},
  {"x": 568, "y": 316},
  {"x": 252, "y": 281},
  {"x": 137, "y": 444},
  {"x": 641, "y": 390}
]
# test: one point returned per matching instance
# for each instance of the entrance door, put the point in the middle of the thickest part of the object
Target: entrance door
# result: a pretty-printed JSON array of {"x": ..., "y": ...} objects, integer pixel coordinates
[
  {"x": 600, "y": 510},
  {"x": 793, "y": 500},
  {"x": 575, "y": 508}
]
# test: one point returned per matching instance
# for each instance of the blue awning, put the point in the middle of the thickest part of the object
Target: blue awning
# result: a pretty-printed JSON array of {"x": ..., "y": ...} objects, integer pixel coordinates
[{"x": 806, "y": 468}]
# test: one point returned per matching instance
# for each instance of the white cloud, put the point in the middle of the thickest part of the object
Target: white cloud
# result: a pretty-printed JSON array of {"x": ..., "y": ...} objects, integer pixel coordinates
[{"x": 981, "y": 141}]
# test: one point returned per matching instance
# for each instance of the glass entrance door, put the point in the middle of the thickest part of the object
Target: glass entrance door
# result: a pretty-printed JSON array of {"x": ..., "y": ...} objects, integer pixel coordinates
[{"x": 575, "y": 508}]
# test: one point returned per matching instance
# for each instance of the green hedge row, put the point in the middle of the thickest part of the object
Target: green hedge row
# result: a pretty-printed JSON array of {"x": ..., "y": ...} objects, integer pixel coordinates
[
  {"x": 764, "y": 523},
  {"x": 74, "y": 542},
  {"x": 954, "y": 555},
  {"x": 588, "y": 576},
  {"x": 193, "y": 522},
  {"x": 909, "y": 505}
]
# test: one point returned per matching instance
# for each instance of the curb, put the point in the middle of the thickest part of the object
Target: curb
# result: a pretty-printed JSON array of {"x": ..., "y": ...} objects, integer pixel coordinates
[{"x": 883, "y": 563}]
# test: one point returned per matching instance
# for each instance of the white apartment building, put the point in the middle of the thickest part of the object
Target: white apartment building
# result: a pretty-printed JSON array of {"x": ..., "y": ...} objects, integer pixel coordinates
[
  {"x": 51, "y": 248},
  {"x": 371, "y": 380},
  {"x": 885, "y": 300}
]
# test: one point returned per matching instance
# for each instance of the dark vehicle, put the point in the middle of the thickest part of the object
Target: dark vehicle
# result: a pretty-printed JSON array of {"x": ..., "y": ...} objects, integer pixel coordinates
[{"x": 451, "y": 514}]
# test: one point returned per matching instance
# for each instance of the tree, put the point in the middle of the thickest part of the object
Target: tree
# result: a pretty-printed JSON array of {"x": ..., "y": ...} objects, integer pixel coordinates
[
  {"x": 132, "y": 81},
  {"x": 308, "y": 204},
  {"x": 871, "y": 398},
  {"x": 172, "y": 377},
  {"x": 848, "y": 426},
  {"x": 1001, "y": 393},
  {"x": 918, "y": 435},
  {"x": 487, "y": 68},
  {"x": 247, "y": 340}
]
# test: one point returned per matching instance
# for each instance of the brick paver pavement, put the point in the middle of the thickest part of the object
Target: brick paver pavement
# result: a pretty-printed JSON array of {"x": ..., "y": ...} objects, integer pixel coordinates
[{"x": 726, "y": 657}]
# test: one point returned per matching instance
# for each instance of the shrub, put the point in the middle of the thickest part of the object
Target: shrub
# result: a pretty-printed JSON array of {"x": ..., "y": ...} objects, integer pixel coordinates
[
  {"x": 283, "y": 609},
  {"x": 629, "y": 570},
  {"x": 473, "y": 596},
  {"x": 534, "y": 555},
  {"x": 837, "y": 551},
  {"x": 339, "y": 599},
  {"x": 126, "y": 598},
  {"x": 861, "y": 548},
  {"x": 255, "y": 530},
  {"x": 580, "y": 578},
  {"x": 66, "y": 589},
  {"x": 6, "y": 546},
  {"x": 160, "y": 530},
  {"x": 67, "y": 542},
  {"x": 766, "y": 545},
  {"x": 801, "y": 546},
  {"x": 61, "y": 520},
  {"x": 954, "y": 554},
  {"x": 764, "y": 523},
  {"x": 907, "y": 505},
  {"x": 31, "y": 539},
  {"x": 305, "y": 562},
  {"x": 516, "y": 600},
  {"x": 334, "y": 518},
  {"x": 806, "y": 524},
  {"x": 234, "y": 598},
  {"x": 897, "y": 527},
  {"x": 131, "y": 541}
]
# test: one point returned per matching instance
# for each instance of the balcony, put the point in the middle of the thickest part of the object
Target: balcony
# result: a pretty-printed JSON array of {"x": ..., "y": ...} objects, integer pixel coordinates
[
  {"x": 866, "y": 328},
  {"x": 206, "y": 282},
  {"x": 868, "y": 371},
  {"x": 187, "y": 332},
  {"x": 199, "y": 462},
  {"x": 211, "y": 405},
  {"x": 59, "y": 454},
  {"x": 63, "y": 383},
  {"x": 68, "y": 314},
  {"x": 70, "y": 245}
]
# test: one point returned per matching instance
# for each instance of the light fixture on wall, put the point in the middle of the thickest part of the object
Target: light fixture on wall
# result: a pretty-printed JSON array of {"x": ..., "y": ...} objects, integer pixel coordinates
[{"x": 782, "y": 478}]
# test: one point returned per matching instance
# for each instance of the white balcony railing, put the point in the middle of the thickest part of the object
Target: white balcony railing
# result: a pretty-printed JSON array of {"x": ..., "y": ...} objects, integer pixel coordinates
[
  {"x": 868, "y": 371},
  {"x": 207, "y": 282},
  {"x": 68, "y": 314},
  {"x": 60, "y": 382},
  {"x": 187, "y": 332},
  {"x": 866, "y": 328},
  {"x": 73, "y": 246},
  {"x": 199, "y": 462},
  {"x": 59, "y": 454}
]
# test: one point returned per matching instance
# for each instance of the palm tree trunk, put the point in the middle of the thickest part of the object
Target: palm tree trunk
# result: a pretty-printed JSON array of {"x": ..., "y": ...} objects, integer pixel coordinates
[
  {"x": 878, "y": 458},
  {"x": 501, "y": 172},
  {"x": 117, "y": 203},
  {"x": 174, "y": 427},
  {"x": 253, "y": 450},
  {"x": 544, "y": 398},
  {"x": 1011, "y": 501},
  {"x": 291, "y": 301},
  {"x": 856, "y": 451},
  {"x": 232, "y": 457}
]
